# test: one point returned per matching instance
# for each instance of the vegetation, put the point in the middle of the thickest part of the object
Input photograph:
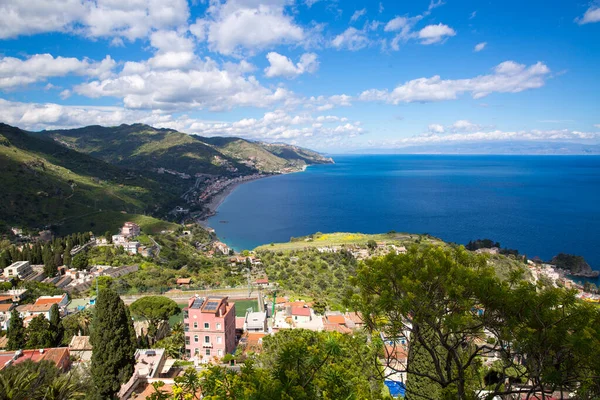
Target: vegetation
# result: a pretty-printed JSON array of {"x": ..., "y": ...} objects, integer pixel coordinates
[
  {"x": 46, "y": 184},
  {"x": 16, "y": 332},
  {"x": 575, "y": 264},
  {"x": 449, "y": 302},
  {"x": 155, "y": 309},
  {"x": 113, "y": 340}
]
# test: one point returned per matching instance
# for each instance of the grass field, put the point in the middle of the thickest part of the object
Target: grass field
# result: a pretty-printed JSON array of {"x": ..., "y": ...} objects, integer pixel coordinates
[
  {"x": 175, "y": 319},
  {"x": 345, "y": 238},
  {"x": 242, "y": 305}
]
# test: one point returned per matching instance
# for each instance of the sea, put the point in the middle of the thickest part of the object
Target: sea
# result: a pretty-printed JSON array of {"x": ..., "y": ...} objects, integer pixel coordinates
[{"x": 540, "y": 205}]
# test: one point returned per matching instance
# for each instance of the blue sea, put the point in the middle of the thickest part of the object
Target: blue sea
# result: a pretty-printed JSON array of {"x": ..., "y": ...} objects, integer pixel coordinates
[{"x": 540, "y": 205}]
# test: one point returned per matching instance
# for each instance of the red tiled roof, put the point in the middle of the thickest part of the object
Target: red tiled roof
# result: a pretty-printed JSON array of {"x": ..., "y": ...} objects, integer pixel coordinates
[
  {"x": 184, "y": 281},
  {"x": 55, "y": 355},
  {"x": 327, "y": 326},
  {"x": 239, "y": 322},
  {"x": 301, "y": 311},
  {"x": 336, "y": 319},
  {"x": 4, "y": 307},
  {"x": 5, "y": 298},
  {"x": 262, "y": 281},
  {"x": 54, "y": 300}
]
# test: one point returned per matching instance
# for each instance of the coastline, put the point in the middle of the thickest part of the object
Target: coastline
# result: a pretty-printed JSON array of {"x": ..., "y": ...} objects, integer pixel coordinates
[{"x": 219, "y": 198}]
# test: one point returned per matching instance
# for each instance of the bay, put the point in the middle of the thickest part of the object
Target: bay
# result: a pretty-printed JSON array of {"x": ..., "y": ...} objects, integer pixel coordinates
[{"x": 540, "y": 205}]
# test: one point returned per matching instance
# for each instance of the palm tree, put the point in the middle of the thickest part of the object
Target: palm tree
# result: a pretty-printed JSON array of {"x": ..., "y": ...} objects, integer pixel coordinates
[
  {"x": 63, "y": 388},
  {"x": 17, "y": 386}
]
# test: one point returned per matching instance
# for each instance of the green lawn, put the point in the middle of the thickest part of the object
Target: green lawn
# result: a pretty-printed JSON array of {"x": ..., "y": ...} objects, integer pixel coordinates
[
  {"x": 242, "y": 305},
  {"x": 179, "y": 317}
]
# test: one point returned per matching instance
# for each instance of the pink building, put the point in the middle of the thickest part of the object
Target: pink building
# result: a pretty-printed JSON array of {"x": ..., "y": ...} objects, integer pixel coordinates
[
  {"x": 209, "y": 325},
  {"x": 130, "y": 229}
]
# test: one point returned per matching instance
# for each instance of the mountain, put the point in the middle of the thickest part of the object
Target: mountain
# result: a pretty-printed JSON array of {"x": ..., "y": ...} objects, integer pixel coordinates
[
  {"x": 143, "y": 147},
  {"x": 45, "y": 183}
]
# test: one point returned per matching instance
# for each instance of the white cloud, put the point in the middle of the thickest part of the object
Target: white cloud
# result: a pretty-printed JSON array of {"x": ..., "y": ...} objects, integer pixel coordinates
[
  {"x": 435, "y": 128},
  {"x": 435, "y": 4},
  {"x": 464, "y": 126},
  {"x": 357, "y": 14},
  {"x": 507, "y": 77},
  {"x": 351, "y": 39},
  {"x": 591, "y": 15},
  {"x": 16, "y": 72},
  {"x": 479, "y": 46},
  {"x": 435, "y": 33},
  {"x": 99, "y": 18},
  {"x": 597, "y": 126},
  {"x": 273, "y": 126},
  {"x": 280, "y": 65},
  {"x": 380, "y": 7},
  {"x": 499, "y": 135},
  {"x": 244, "y": 25},
  {"x": 473, "y": 15}
]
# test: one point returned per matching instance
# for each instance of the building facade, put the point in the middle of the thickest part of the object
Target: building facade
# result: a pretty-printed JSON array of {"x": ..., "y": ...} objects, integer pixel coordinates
[
  {"x": 209, "y": 325},
  {"x": 19, "y": 269}
]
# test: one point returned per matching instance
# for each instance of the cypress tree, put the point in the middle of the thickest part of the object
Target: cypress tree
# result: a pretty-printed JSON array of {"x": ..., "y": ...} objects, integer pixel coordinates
[
  {"x": 113, "y": 340},
  {"x": 56, "y": 325},
  {"x": 16, "y": 332},
  {"x": 419, "y": 360},
  {"x": 39, "y": 334}
]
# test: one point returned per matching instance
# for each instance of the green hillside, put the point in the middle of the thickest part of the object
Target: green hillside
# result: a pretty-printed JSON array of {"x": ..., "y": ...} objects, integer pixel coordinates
[
  {"x": 44, "y": 183},
  {"x": 143, "y": 147}
]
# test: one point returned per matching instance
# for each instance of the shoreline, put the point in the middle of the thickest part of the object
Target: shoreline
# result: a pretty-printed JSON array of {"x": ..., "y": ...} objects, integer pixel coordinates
[{"x": 220, "y": 197}]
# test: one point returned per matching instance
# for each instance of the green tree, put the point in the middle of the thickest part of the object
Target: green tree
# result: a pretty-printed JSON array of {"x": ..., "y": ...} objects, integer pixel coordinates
[
  {"x": 16, "y": 332},
  {"x": 154, "y": 309},
  {"x": 80, "y": 261},
  {"x": 56, "y": 326},
  {"x": 39, "y": 335},
  {"x": 113, "y": 340}
]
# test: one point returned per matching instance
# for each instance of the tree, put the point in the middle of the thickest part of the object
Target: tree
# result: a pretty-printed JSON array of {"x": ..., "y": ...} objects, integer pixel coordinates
[
  {"x": 80, "y": 261},
  {"x": 39, "y": 335},
  {"x": 154, "y": 309},
  {"x": 113, "y": 340},
  {"x": 371, "y": 244},
  {"x": 16, "y": 332},
  {"x": 50, "y": 267},
  {"x": 56, "y": 326}
]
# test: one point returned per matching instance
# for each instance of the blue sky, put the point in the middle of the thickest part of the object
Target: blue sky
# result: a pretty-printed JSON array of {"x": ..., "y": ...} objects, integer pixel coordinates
[{"x": 332, "y": 75}]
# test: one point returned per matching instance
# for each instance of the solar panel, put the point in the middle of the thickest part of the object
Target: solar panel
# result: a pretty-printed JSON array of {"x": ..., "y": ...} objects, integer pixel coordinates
[
  {"x": 197, "y": 303},
  {"x": 211, "y": 306}
]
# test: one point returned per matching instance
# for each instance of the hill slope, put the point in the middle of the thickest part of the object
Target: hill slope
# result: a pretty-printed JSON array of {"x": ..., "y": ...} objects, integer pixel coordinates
[
  {"x": 143, "y": 147},
  {"x": 44, "y": 183}
]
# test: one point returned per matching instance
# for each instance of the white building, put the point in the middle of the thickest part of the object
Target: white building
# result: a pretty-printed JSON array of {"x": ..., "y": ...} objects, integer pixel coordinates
[{"x": 19, "y": 268}]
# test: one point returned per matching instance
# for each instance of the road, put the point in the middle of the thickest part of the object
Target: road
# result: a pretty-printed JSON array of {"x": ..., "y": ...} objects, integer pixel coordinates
[{"x": 184, "y": 295}]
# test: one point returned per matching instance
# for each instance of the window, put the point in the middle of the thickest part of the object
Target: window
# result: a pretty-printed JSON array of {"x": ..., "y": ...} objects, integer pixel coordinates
[
  {"x": 186, "y": 314},
  {"x": 218, "y": 326},
  {"x": 188, "y": 352},
  {"x": 196, "y": 351},
  {"x": 195, "y": 338},
  {"x": 206, "y": 339},
  {"x": 220, "y": 353},
  {"x": 218, "y": 339},
  {"x": 195, "y": 325},
  {"x": 208, "y": 352},
  {"x": 206, "y": 325},
  {"x": 186, "y": 327},
  {"x": 187, "y": 340}
]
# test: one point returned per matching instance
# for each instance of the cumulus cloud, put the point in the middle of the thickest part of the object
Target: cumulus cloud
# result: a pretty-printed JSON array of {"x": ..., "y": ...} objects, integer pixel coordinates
[
  {"x": 351, "y": 39},
  {"x": 591, "y": 15},
  {"x": 357, "y": 14},
  {"x": 435, "y": 128},
  {"x": 280, "y": 65},
  {"x": 464, "y": 125},
  {"x": 435, "y": 33},
  {"x": 273, "y": 126},
  {"x": 99, "y": 18},
  {"x": 236, "y": 26},
  {"x": 480, "y": 46},
  {"x": 507, "y": 77},
  {"x": 16, "y": 72}
]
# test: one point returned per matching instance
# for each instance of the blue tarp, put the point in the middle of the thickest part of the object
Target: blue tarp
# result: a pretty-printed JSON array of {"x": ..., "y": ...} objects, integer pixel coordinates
[{"x": 397, "y": 389}]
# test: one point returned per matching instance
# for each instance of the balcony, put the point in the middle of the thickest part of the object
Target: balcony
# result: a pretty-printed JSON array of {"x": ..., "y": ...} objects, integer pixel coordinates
[{"x": 207, "y": 345}]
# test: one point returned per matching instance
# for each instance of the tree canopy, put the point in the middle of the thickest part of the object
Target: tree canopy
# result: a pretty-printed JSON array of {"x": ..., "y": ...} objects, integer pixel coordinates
[{"x": 154, "y": 309}]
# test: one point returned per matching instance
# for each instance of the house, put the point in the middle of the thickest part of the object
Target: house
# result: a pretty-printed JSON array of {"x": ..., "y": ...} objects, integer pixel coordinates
[
  {"x": 300, "y": 314},
  {"x": 81, "y": 348},
  {"x": 209, "y": 325},
  {"x": 60, "y": 357},
  {"x": 221, "y": 248},
  {"x": 5, "y": 311},
  {"x": 60, "y": 300},
  {"x": 16, "y": 294},
  {"x": 131, "y": 247},
  {"x": 29, "y": 311},
  {"x": 150, "y": 365},
  {"x": 20, "y": 269},
  {"x": 119, "y": 240},
  {"x": 184, "y": 281},
  {"x": 262, "y": 282},
  {"x": 130, "y": 230},
  {"x": 256, "y": 322}
]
